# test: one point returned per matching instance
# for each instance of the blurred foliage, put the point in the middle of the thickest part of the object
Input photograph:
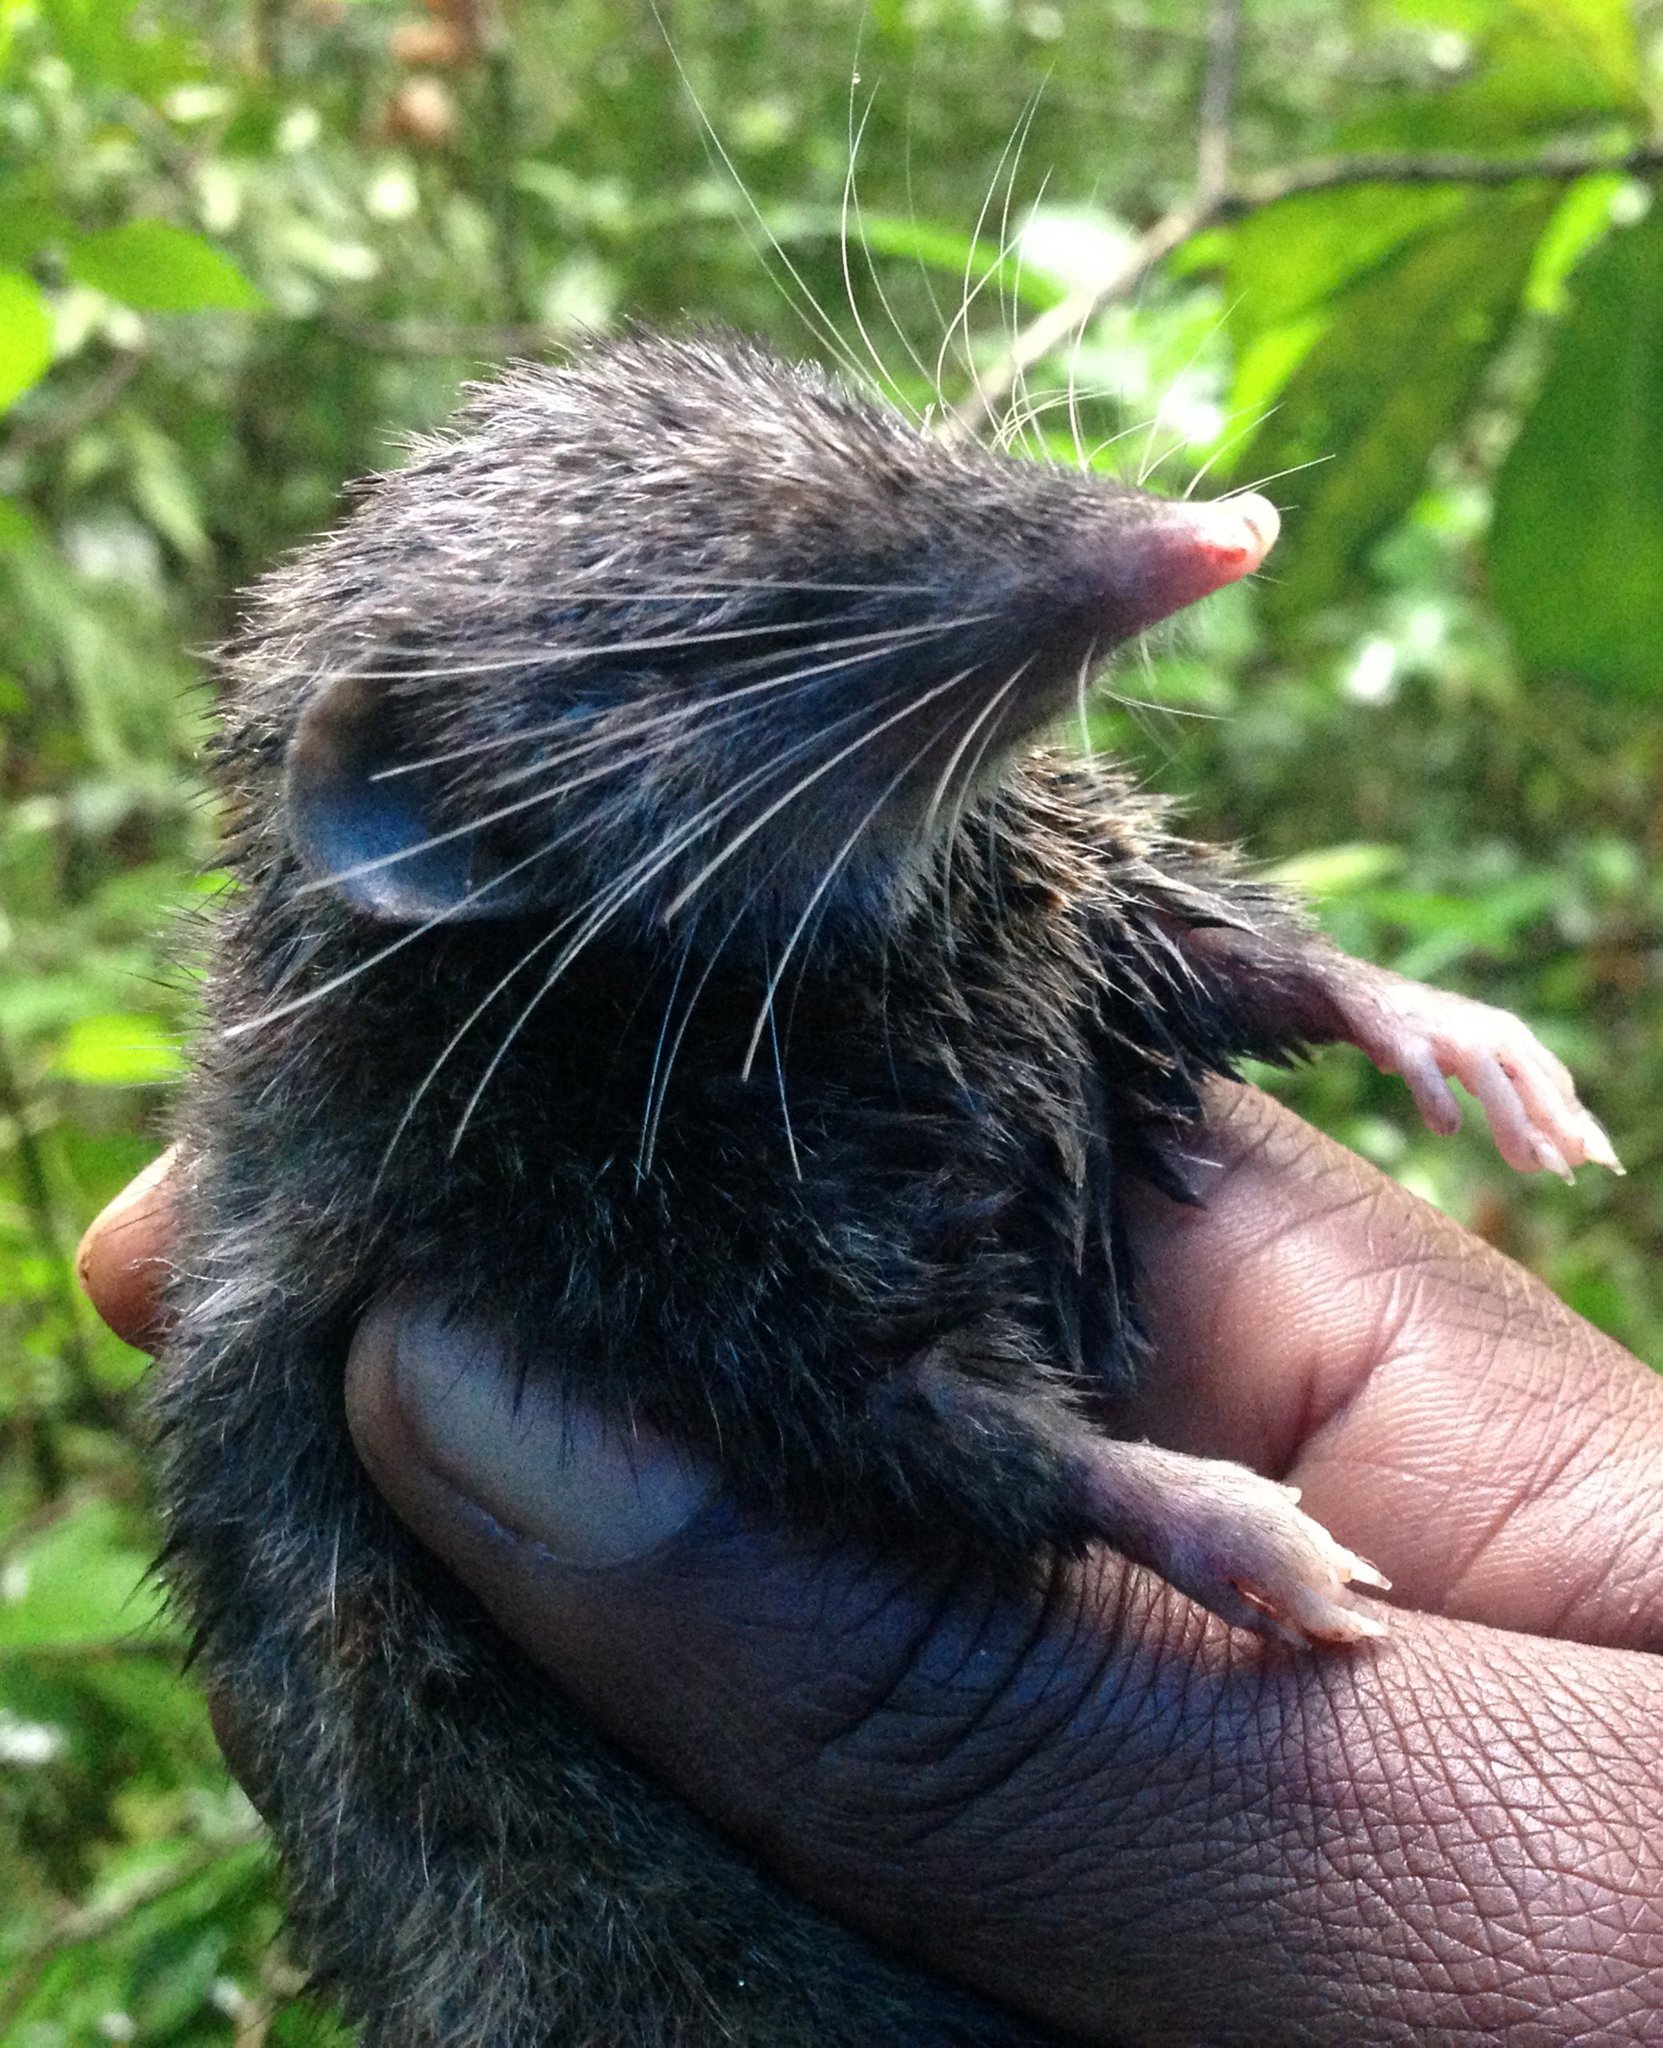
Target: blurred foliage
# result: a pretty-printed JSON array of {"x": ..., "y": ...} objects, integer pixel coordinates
[{"x": 242, "y": 245}]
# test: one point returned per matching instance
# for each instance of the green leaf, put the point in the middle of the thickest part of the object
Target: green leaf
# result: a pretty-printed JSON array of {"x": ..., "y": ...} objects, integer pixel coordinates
[
  {"x": 1577, "y": 545},
  {"x": 79, "y": 1584},
  {"x": 1291, "y": 259},
  {"x": 25, "y": 335},
  {"x": 960, "y": 256},
  {"x": 159, "y": 268},
  {"x": 116, "y": 44},
  {"x": 1537, "y": 65},
  {"x": 118, "y": 1051},
  {"x": 93, "y": 35},
  {"x": 1388, "y": 380},
  {"x": 17, "y": 529},
  {"x": 28, "y": 218},
  {"x": 1337, "y": 870}
]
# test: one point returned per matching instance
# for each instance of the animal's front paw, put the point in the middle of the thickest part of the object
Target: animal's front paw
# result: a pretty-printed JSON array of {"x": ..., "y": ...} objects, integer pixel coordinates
[
  {"x": 1431, "y": 1037},
  {"x": 1234, "y": 1540}
]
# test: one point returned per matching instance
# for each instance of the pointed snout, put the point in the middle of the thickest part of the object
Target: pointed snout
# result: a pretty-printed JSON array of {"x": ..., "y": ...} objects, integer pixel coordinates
[{"x": 1189, "y": 550}]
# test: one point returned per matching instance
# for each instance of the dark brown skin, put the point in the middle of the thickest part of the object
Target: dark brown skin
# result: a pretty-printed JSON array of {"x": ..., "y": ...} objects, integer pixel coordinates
[{"x": 1101, "y": 1799}]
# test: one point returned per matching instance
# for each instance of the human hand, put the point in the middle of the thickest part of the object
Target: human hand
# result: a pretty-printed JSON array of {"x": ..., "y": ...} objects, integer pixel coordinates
[{"x": 1093, "y": 1802}]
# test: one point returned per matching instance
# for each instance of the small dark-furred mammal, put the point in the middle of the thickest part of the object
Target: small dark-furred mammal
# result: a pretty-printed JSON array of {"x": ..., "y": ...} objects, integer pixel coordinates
[{"x": 656, "y": 935}]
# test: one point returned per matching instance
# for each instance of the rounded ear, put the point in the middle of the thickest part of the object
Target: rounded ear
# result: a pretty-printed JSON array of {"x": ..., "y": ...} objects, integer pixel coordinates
[{"x": 366, "y": 817}]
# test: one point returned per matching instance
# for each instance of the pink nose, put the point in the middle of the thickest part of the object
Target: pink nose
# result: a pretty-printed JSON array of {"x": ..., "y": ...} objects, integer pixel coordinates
[
  {"x": 1238, "y": 532},
  {"x": 1190, "y": 550}
]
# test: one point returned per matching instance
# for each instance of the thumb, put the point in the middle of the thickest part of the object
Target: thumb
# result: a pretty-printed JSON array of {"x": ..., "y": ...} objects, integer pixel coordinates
[
  {"x": 1076, "y": 1793},
  {"x": 844, "y": 1716}
]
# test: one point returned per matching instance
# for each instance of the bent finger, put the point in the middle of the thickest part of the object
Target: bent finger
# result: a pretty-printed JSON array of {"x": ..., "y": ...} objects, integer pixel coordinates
[
  {"x": 1084, "y": 1799},
  {"x": 1441, "y": 1410},
  {"x": 122, "y": 1259}
]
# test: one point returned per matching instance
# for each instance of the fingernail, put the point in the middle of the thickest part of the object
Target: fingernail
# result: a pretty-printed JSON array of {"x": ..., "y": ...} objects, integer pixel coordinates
[
  {"x": 544, "y": 1466},
  {"x": 134, "y": 1204}
]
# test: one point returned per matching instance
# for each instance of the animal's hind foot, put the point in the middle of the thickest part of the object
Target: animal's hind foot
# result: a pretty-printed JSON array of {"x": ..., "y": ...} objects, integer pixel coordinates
[
  {"x": 1228, "y": 1537},
  {"x": 1231, "y": 1539}
]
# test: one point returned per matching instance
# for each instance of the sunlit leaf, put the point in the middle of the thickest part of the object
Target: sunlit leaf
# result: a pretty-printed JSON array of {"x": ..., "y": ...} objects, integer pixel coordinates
[
  {"x": 25, "y": 335},
  {"x": 156, "y": 267},
  {"x": 1577, "y": 547},
  {"x": 1534, "y": 65},
  {"x": 17, "y": 529},
  {"x": 1385, "y": 384},
  {"x": 78, "y": 1584},
  {"x": 123, "y": 1050},
  {"x": 1338, "y": 870}
]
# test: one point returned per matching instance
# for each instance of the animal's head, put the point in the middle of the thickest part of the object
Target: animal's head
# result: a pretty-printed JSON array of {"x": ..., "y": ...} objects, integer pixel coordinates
[{"x": 682, "y": 629}]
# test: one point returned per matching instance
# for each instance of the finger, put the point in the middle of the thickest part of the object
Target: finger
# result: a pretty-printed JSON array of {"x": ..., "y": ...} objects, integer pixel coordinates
[
  {"x": 1444, "y": 1413},
  {"x": 122, "y": 1260},
  {"x": 1084, "y": 1799}
]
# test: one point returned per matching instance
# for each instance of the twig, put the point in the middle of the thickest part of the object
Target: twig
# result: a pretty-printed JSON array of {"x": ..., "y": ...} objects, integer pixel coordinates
[
  {"x": 71, "y": 417},
  {"x": 477, "y": 342},
  {"x": 42, "y": 1210},
  {"x": 1218, "y": 99},
  {"x": 1251, "y": 195},
  {"x": 91, "y": 1923}
]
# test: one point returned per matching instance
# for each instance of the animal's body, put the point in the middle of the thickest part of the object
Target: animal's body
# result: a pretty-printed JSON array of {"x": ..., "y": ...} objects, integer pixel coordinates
[{"x": 654, "y": 937}]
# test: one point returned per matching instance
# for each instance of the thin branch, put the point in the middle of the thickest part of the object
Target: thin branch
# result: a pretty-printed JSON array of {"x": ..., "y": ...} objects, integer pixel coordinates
[
  {"x": 40, "y": 1205},
  {"x": 1218, "y": 99},
  {"x": 93, "y": 401},
  {"x": 1251, "y": 195},
  {"x": 92, "y": 1923},
  {"x": 1439, "y": 167}
]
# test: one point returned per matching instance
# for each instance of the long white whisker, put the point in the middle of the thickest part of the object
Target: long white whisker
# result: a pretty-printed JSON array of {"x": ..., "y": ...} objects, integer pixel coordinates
[
  {"x": 779, "y": 1074},
  {"x": 537, "y": 797},
  {"x": 658, "y": 1087},
  {"x": 407, "y": 938},
  {"x": 970, "y": 732},
  {"x": 601, "y": 910},
  {"x": 959, "y": 805},
  {"x": 1019, "y": 385},
  {"x": 892, "y": 637},
  {"x": 865, "y": 739},
  {"x": 934, "y": 381},
  {"x": 833, "y": 868},
  {"x": 852, "y": 192},
  {"x": 855, "y": 136},
  {"x": 1082, "y": 682},
  {"x": 546, "y": 656},
  {"x": 816, "y": 319},
  {"x": 967, "y": 296},
  {"x": 1020, "y": 134},
  {"x": 1276, "y": 475},
  {"x": 483, "y": 889}
]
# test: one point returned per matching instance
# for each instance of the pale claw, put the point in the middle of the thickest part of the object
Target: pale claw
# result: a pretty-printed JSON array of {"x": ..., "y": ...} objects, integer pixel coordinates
[
  {"x": 1234, "y": 1541},
  {"x": 1430, "y": 1037}
]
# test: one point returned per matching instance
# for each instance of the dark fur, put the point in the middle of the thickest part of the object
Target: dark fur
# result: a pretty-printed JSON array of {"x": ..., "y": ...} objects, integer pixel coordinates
[{"x": 989, "y": 1022}]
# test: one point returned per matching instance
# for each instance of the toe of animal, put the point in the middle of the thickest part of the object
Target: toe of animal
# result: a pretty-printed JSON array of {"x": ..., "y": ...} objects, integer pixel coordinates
[
  {"x": 1248, "y": 1552},
  {"x": 1431, "y": 1037},
  {"x": 1231, "y": 1539}
]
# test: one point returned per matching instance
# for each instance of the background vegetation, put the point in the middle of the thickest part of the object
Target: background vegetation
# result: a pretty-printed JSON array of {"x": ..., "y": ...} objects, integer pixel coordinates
[{"x": 1402, "y": 258}]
